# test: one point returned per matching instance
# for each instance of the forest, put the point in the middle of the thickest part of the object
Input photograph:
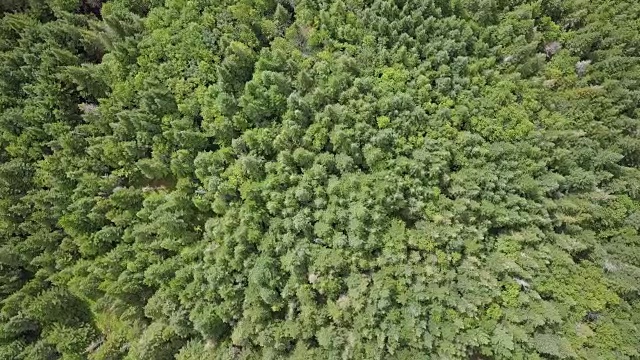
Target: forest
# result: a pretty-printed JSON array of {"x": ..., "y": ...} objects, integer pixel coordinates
[{"x": 319, "y": 179}]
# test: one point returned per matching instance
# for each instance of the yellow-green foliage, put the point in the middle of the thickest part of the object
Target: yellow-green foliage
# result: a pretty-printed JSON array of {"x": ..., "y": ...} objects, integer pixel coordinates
[{"x": 343, "y": 179}]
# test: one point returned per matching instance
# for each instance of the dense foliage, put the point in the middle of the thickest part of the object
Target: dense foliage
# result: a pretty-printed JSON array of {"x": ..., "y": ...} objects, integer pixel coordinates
[{"x": 350, "y": 179}]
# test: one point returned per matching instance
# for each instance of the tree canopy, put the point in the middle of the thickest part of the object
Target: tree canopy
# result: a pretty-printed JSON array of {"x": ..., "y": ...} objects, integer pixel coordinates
[{"x": 297, "y": 179}]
